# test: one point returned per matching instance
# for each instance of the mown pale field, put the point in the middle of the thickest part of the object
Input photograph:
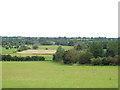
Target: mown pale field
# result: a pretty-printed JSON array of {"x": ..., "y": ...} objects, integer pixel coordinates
[{"x": 48, "y": 74}]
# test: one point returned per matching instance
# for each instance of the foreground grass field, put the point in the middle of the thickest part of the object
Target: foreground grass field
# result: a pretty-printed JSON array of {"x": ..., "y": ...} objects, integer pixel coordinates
[{"x": 48, "y": 74}]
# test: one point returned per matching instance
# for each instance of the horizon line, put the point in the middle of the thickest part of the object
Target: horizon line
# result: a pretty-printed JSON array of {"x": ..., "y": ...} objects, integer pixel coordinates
[{"x": 61, "y": 36}]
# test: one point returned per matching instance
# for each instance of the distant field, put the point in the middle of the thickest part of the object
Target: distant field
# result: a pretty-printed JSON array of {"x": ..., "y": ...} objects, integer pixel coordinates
[
  {"x": 48, "y": 74},
  {"x": 48, "y": 56},
  {"x": 37, "y": 52},
  {"x": 42, "y": 47},
  {"x": 52, "y": 47},
  {"x": 8, "y": 51}
]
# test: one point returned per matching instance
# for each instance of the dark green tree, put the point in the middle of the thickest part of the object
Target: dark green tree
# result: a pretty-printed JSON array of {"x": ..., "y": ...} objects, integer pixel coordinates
[
  {"x": 70, "y": 57},
  {"x": 112, "y": 48},
  {"x": 96, "y": 49},
  {"x": 84, "y": 57},
  {"x": 78, "y": 47},
  {"x": 58, "y": 56}
]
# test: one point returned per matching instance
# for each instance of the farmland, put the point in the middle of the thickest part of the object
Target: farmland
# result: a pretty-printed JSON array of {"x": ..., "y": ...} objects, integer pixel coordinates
[
  {"x": 48, "y": 74},
  {"x": 37, "y": 52},
  {"x": 52, "y": 47},
  {"x": 64, "y": 63},
  {"x": 8, "y": 51},
  {"x": 48, "y": 54}
]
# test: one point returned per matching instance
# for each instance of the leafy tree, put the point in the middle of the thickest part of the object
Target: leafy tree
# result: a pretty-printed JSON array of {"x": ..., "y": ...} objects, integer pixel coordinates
[
  {"x": 78, "y": 47},
  {"x": 110, "y": 53},
  {"x": 70, "y": 57},
  {"x": 23, "y": 48},
  {"x": 58, "y": 56},
  {"x": 118, "y": 47},
  {"x": 96, "y": 49},
  {"x": 27, "y": 58},
  {"x": 112, "y": 48},
  {"x": 84, "y": 57},
  {"x": 100, "y": 61}
]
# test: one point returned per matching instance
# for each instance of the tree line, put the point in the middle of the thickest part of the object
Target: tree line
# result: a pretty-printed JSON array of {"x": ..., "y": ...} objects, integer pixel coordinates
[
  {"x": 17, "y": 42},
  {"x": 17, "y": 58},
  {"x": 95, "y": 53}
]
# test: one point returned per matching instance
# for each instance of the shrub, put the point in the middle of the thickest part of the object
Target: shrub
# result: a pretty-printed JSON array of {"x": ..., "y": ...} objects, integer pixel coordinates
[
  {"x": 70, "y": 57},
  {"x": 96, "y": 49},
  {"x": 23, "y": 48},
  {"x": 110, "y": 53},
  {"x": 101, "y": 61},
  {"x": 46, "y": 48},
  {"x": 96, "y": 61},
  {"x": 27, "y": 58},
  {"x": 6, "y": 57},
  {"x": 112, "y": 48},
  {"x": 58, "y": 56},
  {"x": 84, "y": 57},
  {"x": 35, "y": 47},
  {"x": 78, "y": 47}
]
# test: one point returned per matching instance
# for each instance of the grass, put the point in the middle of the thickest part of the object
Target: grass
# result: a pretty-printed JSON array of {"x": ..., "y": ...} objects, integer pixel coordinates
[
  {"x": 42, "y": 47},
  {"x": 48, "y": 74},
  {"x": 8, "y": 51},
  {"x": 52, "y": 47}
]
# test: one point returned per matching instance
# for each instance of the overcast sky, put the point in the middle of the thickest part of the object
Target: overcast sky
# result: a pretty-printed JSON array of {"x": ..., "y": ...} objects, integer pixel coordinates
[{"x": 53, "y": 18}]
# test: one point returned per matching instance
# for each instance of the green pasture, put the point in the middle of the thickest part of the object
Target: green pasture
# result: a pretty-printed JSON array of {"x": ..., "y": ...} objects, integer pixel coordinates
[
  {"x": 43, "y": 47},
  {"x": 47, "y": 57},
  {"x": 48, "y": 74},
  {"x": 52, "y": 47},
  {"x": 8, "y": 51}
]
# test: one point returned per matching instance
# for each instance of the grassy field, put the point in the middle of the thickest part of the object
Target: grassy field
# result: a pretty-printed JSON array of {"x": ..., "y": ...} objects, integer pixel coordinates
[
  {"x": 41, "y": 47},
  {"x": 52, "y": 47},
  {"x": 48, "y": 74},
  {"x": 8, "y": 51}
]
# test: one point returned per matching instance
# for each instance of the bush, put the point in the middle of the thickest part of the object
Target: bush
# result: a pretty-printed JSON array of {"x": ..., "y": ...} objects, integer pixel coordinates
[
  {"x": 114, "y": 60},
  {"x": 6, "y": 57},
  {"x": 73, "y": 56},
  {"x": 112, "y": 48},
  {"x": 23, "y": 48},
  {"x": 35, "y": 47},
  {"x": 101, "y": 61},
  {"x": 58, "y": 56},
  {"x": 70, "y": 57},
  {"x": 84, "y": 57},
  {"x": 78, "y": 47},
  {"x": 27, "y": 58},
  {"x": 96, "y": 49},
  {"x": 110, "y": 53},
  {"x": 95, "y": 61}
]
